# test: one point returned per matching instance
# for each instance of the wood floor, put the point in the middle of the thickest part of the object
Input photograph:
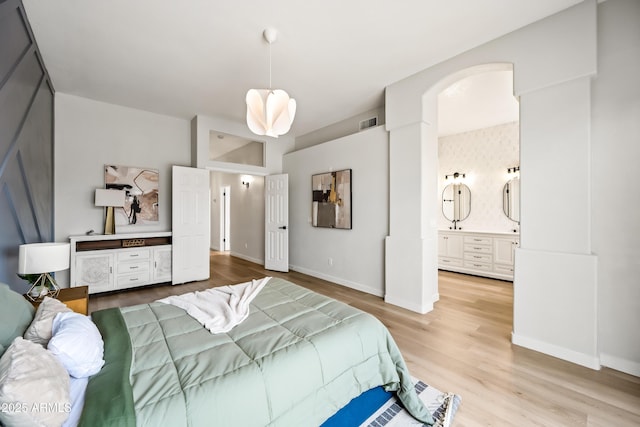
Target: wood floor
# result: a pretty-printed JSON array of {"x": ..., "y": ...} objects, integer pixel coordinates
[{"x": 462, "y": 346}]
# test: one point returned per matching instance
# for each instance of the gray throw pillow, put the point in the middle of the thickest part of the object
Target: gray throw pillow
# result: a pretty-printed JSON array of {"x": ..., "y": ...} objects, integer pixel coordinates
[{"x": 16, "y": 314}]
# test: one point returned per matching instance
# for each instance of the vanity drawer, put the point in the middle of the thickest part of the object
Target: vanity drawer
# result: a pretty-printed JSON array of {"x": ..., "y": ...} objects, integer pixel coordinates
[
  {"x": 475, "y": 240},
  {"x": 449, "y": 262},
  {"x": 478, "y": 257},
  {"x": 482, "y": 266},
  {"x": 133, "y": 266},
  {"x": 130, "y": 280},
  {"x": 503, "y": 269},
  {"x": 477, "y": 248},
  {"x": 133, "y": 255}
]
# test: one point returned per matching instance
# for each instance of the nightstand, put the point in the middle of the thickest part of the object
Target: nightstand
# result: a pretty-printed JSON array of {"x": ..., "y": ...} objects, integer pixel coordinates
[{"x": 77, "y": 299}]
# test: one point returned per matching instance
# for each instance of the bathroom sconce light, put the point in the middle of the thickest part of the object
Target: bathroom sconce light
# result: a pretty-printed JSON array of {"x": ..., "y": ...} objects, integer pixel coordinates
[
  {"x": 513, "y": 169},
  {"x": 455, "y": 175}
]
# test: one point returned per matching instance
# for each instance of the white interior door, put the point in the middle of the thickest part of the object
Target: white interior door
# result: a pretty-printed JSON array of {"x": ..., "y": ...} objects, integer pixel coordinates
[
  {"x": 276, "y": 239},
  {"x": 191, "y": 224}
]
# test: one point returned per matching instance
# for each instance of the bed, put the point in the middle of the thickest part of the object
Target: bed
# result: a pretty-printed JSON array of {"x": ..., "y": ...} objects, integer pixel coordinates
[{"x": 297, "y": 359}]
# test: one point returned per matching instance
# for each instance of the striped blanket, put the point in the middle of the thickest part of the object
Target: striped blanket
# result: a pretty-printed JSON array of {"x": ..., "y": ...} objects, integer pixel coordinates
[{"x": 443, "y": 406}]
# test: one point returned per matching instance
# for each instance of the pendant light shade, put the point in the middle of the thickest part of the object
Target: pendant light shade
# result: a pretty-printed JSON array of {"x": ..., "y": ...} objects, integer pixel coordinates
[{"x": 270, "y": 111}]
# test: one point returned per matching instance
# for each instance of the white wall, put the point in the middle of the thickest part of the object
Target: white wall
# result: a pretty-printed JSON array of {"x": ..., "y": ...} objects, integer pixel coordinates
[
  {"x": 338, "y": 130},
  {"x": 615, "y": 203},
  {"x": 246, "y": 212},
  {"x": 552, "y": 61},
  {"x": 275, "y": 148},
  {"x": 90, "y": 134},
  {"x": 484, "y": 155},
  {"x": 358, "y": 254}
]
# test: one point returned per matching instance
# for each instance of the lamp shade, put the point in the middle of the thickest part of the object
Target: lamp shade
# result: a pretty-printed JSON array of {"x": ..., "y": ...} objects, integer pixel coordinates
[
  {"x": 270, "y": 112},
  {"x": 106, "y": 197},
  {"x": 37, "y": 258}
]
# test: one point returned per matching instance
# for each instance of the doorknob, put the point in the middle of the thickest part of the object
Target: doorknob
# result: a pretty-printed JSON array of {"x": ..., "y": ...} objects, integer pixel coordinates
[{"x": 284, "y": 227}]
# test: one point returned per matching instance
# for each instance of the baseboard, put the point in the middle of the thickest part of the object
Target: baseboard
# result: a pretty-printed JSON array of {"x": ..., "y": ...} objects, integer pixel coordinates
[
  {"x": 409, "y": 305},
  {"x": 338, "y": 280},
  {"x": 586, "y": 360},
  {"x": 619, "y": 364},
  {"x": 247, "y": 258}
]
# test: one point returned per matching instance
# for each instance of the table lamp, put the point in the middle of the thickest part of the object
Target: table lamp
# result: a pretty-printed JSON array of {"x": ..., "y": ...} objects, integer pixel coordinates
[
  {"x": 110, "y": 199},
  {"x": 42, "y": 259}
]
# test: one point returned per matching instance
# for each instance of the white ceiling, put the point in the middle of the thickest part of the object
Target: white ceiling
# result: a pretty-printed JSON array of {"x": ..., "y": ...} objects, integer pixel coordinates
[
  {"x": 335, "y": 57},
  {"x": 476, "y": 102}
]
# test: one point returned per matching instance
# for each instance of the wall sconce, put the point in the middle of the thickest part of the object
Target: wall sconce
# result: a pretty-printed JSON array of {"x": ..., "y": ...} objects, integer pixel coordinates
[
  {"x": 246, "y": 180},
  {"x": 513, "y": 169},
  {"x": 456, "y": 176}
]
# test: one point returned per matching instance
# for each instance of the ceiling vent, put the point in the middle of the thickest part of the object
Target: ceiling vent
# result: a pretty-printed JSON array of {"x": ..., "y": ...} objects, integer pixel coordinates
[{"x": 368, "y": 123}]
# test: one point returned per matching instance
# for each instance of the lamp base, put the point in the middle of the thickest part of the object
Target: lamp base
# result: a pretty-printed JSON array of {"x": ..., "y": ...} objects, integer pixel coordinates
[
  {"x": 110, "y": 221},
  {"x": 45, "y": 286}
]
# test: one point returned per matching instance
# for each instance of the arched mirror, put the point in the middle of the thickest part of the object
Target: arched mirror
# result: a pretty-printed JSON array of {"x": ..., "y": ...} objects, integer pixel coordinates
[
  {"x": 456, "y": 202},
  {"x": 511, "y": 199}
]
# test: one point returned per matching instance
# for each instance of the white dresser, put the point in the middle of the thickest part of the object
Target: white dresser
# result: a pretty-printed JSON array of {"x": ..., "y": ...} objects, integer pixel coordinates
[
  {"x": 481, "y": 254},
  {"x": 119, "y": 261}
]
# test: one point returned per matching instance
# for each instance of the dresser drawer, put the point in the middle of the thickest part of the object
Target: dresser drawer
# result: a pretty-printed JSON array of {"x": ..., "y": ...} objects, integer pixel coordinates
[
  {"x": 477, "y": 257},
  {"x": 477, "y": 248},
  {"x": 475, "y": 240},
  {"x": 130, "y": 280},
  {"x": 449, "y": 262},
  {"x": 133, "y": 255},
  {"x": 481, "y": 266},
  {"x": 133, "y": 266}
]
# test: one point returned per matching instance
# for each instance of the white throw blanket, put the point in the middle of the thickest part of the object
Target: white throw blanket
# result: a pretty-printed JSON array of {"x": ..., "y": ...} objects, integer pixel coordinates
[{"x": 219, "y": 309}]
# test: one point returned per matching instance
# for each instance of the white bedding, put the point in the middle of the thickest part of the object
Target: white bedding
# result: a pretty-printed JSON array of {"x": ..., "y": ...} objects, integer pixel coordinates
[
  {"x": 77, "y": 388},
  {"x": 219, "y": 309}
]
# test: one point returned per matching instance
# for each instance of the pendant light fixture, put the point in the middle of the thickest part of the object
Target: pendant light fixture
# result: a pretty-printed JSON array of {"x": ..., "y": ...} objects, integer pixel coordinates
[{"x": 270, "y": 111}]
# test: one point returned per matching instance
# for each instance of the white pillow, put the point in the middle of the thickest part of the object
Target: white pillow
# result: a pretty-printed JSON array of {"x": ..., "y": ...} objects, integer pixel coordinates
[
  {"x": 34, "y": 386},
  {"x": 39, "y": 331},
  {"x": 77, "y": 344}
]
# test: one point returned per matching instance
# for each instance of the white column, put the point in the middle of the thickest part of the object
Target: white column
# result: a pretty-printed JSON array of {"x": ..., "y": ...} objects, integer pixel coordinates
[
  {"x": 411, "y": 273},
  {"x": 555, "y": 302}
]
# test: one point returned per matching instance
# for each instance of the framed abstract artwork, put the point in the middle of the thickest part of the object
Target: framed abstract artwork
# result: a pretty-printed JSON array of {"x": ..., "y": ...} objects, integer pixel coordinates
[
  {"x": 331, "y": 195},
  {"x": 141, "y": 186}
]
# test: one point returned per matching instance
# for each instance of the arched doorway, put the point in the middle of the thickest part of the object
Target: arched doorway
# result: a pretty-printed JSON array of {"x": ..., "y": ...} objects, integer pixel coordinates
[
  {"x": 478, "y": 140},
  {"x": 555, "y": 288},
  {"x": 411, "y": 246}
]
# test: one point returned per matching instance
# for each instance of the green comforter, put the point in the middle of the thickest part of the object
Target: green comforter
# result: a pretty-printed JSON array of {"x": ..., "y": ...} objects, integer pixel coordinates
[{"x": 296, "y": 360}]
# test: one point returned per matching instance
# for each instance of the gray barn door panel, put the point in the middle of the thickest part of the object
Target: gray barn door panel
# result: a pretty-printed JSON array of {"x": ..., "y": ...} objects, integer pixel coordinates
[{"x": 26, "y": 142}]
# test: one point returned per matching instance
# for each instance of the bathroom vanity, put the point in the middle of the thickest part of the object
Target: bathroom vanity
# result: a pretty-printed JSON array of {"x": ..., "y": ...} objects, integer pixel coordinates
[{"x": 478, "y": 253}]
